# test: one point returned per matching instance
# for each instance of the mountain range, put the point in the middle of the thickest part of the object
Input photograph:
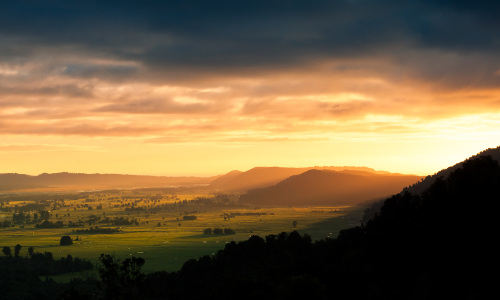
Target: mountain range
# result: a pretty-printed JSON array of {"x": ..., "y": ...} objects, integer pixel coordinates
[
  {"x": 13, "y": 181},
  {"x": 302, "y": 186},
  {"x": 344, "y": 185}
]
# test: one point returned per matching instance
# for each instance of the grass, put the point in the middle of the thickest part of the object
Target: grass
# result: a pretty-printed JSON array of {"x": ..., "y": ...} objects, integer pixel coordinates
[{"x": 168, "y": 246}]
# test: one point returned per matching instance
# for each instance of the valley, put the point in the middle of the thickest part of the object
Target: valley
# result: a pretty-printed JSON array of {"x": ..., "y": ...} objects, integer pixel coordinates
[{"x": 154, "y": 224}]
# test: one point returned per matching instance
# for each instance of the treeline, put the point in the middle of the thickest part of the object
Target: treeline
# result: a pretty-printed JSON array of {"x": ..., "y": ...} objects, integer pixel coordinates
[
  {"x": 42, "y": 199},
  {"x": 96, "y": 230},
  {"x": 93, "y": 219},
  {"x": 5, "y": 224},
  {"x": 120, "y": 221},
  {"x": 23, "y": 217},
  {"x": 231, "y": 215},
  {"x": 218, "y": 231},
  {"x": 154, "y": 206},
  {"x": 20, "y": 273},
  {"x": 48, "y": 224},
  {"x": 24, "y": 208}
]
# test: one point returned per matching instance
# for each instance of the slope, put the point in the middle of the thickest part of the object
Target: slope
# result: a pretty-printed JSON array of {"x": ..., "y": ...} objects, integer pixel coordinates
[
  {"x": 329, "y": 187},
  {"x": 260, "y": 177},
  {"x": 438, "y": 246},
  {"x": 421, "y": 186}
]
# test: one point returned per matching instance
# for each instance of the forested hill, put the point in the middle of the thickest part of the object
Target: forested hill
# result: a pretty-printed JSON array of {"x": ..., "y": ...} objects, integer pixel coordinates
[
  {"x": 327, "y": 187},
  {"x": 19, "y": 181},
  {"x": 419, "y": 187},
  {"x": 441, "y": 245}
]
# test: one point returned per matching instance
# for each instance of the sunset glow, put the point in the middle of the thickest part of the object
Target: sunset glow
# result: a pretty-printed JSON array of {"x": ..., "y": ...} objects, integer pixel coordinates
[{"x": 170, "y": 91}]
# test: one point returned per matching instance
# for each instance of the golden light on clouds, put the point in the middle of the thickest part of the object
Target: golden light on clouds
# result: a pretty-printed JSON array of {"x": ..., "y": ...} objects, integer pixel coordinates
[
  {"x": 155, "y": 97},
  {"x": 85, "y": 125}
]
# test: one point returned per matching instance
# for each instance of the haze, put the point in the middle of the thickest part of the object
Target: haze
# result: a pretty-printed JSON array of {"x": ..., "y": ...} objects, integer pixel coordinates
[{"x": 202, "y": 88}]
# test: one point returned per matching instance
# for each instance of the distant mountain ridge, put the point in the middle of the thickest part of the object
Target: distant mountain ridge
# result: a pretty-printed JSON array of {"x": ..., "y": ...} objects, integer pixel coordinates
[
  {"x": 329, "y": 187},
  {"x": 11, "y": 181},
  {"x": 234, "y": 181}
]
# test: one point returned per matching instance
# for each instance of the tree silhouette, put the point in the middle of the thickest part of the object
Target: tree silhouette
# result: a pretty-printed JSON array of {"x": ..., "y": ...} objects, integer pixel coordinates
[
  {"x": 121, "y": 281},
  {"x": 17, "y": 249},
  {"x": 7, "y": 251},
  {"x": 66, "y": 241}
]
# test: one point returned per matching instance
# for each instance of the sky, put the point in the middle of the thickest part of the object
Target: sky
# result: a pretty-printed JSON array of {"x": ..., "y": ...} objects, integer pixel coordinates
[{"x": 206, "y": 87}]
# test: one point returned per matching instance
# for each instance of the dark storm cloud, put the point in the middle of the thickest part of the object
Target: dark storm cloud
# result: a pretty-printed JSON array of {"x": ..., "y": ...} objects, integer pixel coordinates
[
  {"x": 64, "y": 90},
  {"x": 207, "y": 36},
  {"x": 86, "y": 70}
]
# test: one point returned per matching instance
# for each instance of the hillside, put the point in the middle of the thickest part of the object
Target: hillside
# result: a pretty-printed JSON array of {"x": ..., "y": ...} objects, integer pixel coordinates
[
  {"x": 14, "y": 181},
  {"x": 226, "y": 179},
  {"x": 259, "y": 177},
  {"x": 419, "y": 187},
  {"x": 416, "y": 248},
  {"x": 234, "y": 181},
  {"x": 329, "y": 187}
]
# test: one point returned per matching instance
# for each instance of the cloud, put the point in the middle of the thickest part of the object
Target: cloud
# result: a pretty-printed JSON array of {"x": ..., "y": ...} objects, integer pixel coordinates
[
  {"x": 104, "y": 67},
  {"x": 42, "y": 147},
  {"x": 81, "y": 129},
  {"x": 156, "y": 106},
  {"x": 198, "y": 38}
]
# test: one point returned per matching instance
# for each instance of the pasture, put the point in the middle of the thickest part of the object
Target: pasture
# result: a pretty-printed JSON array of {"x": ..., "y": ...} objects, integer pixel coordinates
[{"x": 158, "y": 231}]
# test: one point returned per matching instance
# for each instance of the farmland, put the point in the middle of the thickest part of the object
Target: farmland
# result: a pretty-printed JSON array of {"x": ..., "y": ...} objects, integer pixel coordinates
[{"x": 164, "y": 228}]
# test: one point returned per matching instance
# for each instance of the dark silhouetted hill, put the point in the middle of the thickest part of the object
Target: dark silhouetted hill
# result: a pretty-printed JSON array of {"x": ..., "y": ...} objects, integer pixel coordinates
[
  {"x": 421, "y": 186},
  {"x": 260, "y": 177},
  {"x": 329, "y": 187}
]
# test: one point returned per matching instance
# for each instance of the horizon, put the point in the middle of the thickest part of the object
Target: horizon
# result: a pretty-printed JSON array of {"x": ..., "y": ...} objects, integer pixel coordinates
[
  {"x": 197, "y": 89},
  {"x": 209, "y": 175},
  {"x": 247, "y": 169}
]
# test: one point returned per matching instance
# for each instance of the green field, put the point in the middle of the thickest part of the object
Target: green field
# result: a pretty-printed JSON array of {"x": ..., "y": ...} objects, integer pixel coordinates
[{"x": 162, "y": 237}]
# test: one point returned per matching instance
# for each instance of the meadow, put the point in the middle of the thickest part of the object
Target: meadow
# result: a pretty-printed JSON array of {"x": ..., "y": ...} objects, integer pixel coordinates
[{"x": 156, "y": 225}]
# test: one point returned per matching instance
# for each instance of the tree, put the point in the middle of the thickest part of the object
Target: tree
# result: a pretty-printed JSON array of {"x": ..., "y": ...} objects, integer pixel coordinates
[
  {"x": 7, "y": 251},
  {"x": 17, "y": 249},
  {"x": 31, "y": 251},
  {"x": 121, "y": 281},
  {"x": 228, "y": 231},
  {"x": 44, "y": 214},
  {"x": 66, "y": 241}
]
